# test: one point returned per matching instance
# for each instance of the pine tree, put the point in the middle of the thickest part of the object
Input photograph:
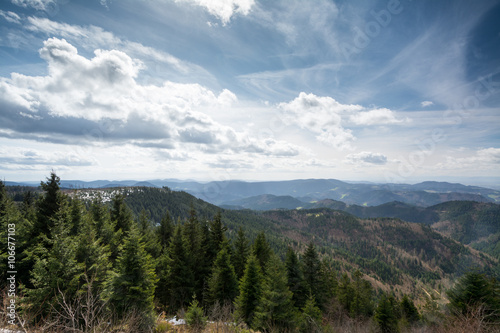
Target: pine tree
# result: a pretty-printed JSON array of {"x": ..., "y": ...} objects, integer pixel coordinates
[
  {"x": 311, "y": 269},
  {"x": 261, "y": 250},
  {"x": 48, "y": 205},
  {"x": 177, "y": 283},
  {"x": 409, "y": 310},
  {"x": 121, "y": 215},
  {"x": 311, "y": 317},
  {"x": 250, "y": 291},
  {"x": 133, "y": 285},
  {"x": 475, "y": 290},
  {"x": 275, "y": 310},
  {"x": 295, "y": 278},
  {"x": 56, "y": 270},
  {"x": 223, "y": 284},
  {"x": 345, "y": 292},
  {"x": 164, "y": 231},
  {"x": 216, "y": 236},
  {"x": 240, "y": 253},
  {"x": 385, "y": 314},
  {"x": 361, "y": 304}
]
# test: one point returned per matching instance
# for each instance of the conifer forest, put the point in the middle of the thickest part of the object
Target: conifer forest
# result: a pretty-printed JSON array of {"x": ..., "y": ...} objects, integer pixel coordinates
[{"x": 134, "y": 263}]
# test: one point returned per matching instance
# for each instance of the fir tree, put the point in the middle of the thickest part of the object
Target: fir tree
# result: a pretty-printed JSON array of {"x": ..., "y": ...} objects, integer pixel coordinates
[
  {"x": 133, "y": 285},
  {"x": 250, "y": 291},
  {"x": 295, "y": 278},
  {"x": 385, "y": 314},
  {"x": 311, "y": 317},
  {"x": 121, "y": 215},
  {"x": 177, "y": 282},
  {"x": 223, "y": 284},
  {"x": 311, "y": 268},
  {"x": 164, "y": 231},
  {"x": 275, "y": 310},
  {"x": 361, "y": 304},
  {"x": 261, "y": 250},
  {"x": 409, "y": 310},
  {"x": 240, "y": 253}
]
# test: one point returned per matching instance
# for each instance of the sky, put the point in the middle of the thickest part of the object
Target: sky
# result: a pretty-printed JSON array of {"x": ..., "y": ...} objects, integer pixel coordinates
[{"x": 385, "y": 91}]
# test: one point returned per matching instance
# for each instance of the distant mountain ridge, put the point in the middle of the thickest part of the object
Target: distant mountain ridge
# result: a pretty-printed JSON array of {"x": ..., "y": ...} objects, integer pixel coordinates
[{"x": 364, "y": 194}]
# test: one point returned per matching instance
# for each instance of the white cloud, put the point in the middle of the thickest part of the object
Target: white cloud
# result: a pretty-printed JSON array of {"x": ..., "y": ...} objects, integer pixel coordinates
[
  {"x": 10, "y": 17},
  {"x": 481, "y": 159},
  {"x": 224, "y": 9},
  {"x": 99, "y": 100},
  {"x": 365, "y": 158},
  {"x": 426, "y": 103},
  {"x": 321, "y": 116},
  {"x": 375, "y": 117}
]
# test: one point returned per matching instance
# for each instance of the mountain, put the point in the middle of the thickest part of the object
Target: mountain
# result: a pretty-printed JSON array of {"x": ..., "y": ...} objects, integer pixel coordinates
[{"x": 391, "y": 252}]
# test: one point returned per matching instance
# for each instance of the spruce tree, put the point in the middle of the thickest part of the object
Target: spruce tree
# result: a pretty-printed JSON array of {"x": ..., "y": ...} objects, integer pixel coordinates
[
  {"x": 216, "y": 236},
  {"x": 133, "y": 285},
  {"x": 165, "y": 231},
  {"x": 361, "y": 304},
  {"x": 240, "y": 253},
  {"x": 409, "y": 310},
  {"x": 311, "y": 269},
  {"x": 385, "y": 314},
  {"x": 345, "y": 292},
  {"x": 250, "y": 291},
  {"x": 223, "y": 284},
  {"x": 48, "y": 205},
  {"x": 311, "y": 317},
  {"x": 121, "y": 215},
  {"x": 295, "y": 278},
  {"x": 275, "y": 310},
  {"x": 261, "y": 250},
  {"x": 177, "y": 282}
]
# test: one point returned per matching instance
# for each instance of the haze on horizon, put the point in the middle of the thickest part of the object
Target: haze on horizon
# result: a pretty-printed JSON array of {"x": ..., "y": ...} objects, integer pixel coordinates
[{"x": 385, "y": 91}]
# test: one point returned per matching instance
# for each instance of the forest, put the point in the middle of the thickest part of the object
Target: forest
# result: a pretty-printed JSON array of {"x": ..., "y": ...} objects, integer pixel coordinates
[{"x": 71, "y": 265}]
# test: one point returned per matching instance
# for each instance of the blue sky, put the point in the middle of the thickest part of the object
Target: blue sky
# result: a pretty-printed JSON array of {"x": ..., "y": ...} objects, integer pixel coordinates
[{"x": 392, "y": 91}]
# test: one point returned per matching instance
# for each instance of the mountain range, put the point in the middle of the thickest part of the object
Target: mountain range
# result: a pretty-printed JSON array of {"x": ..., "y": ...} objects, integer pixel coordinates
[{"x": 240, "y": 193}]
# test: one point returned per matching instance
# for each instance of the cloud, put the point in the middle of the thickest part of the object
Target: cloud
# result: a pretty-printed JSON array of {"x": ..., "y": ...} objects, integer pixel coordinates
[
  {"x": 482, "y": 159},
  {"x": 14, "y": 158},
  {"x": 426, "y": 103},
  {"x": 375, "y": 117},
  {"x": 223, "y": 9},
  {"x": 327, "y": 118},
  {"x": 321, "y": 116},
  {"x": 10, "y": 17},
  {"x": 365, "y": 158},
  {"x": 98, "y": 100}
]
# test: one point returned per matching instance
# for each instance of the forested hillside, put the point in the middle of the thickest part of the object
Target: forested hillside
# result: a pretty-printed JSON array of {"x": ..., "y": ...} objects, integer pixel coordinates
[{"x": 117, "y": 259}]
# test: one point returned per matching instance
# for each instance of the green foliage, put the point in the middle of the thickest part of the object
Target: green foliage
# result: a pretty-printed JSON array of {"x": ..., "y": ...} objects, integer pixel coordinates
[
  {"x": 275, "y": 310},
  {"x": 194, "y": 317},
  {"x": 223, "y": 284},
  {"x": 178, "y": 280},
  {"x": 261, "y": 250},
  {"x": 311, "y": 317},
  {"x": 386, "y": 314},
  {"x": 240, "y": 253},
  {"x": 475, "y": 291},
  {"x": 295, "y": 278},
  {"x": 408, "y": 310},
  {"x": 132, "y": 287},
  {"x": 251, "y": 286}
]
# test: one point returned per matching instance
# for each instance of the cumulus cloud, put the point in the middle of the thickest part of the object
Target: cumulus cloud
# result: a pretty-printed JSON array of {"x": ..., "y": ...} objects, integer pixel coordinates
[
  {"x": 426, "y": 103},
  {"x": 321, "y": 116},
  {"x": 99, "y": 100},
  {"x": 375, "y": 117},
  {"x": 224, "y": 9},
  {"x": 327, "y": 118},
  {"x": 366, "y": 158}
]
